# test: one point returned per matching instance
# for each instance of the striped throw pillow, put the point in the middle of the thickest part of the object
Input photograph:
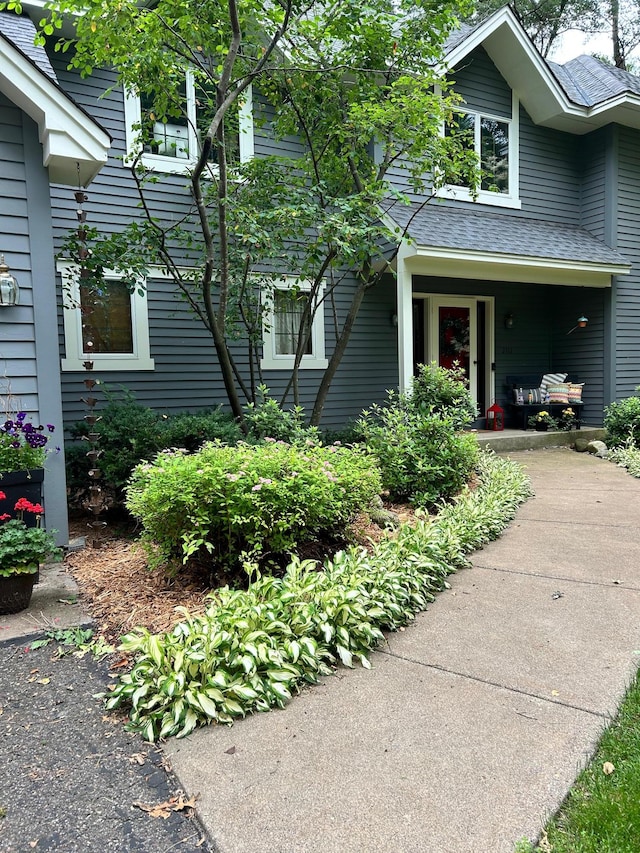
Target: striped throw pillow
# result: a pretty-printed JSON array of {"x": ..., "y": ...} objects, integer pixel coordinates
[
  {"x": 575, "y": 392},
  {"x": 551, "y": 379},
  {"x": 558, "y": 393}
]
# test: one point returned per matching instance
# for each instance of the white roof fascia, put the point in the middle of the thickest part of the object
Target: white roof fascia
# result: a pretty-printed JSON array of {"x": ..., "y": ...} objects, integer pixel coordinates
[
  {"x": 464, "y": 263},
  {"x": 70, "y": 138}
]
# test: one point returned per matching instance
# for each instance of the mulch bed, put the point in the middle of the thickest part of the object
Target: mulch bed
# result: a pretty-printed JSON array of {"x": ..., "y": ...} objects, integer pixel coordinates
[{"x": 121, "y": 592}]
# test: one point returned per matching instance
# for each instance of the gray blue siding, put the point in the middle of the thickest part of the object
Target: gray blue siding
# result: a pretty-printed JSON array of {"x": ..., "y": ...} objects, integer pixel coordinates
[{"x": 28, "y": 343}]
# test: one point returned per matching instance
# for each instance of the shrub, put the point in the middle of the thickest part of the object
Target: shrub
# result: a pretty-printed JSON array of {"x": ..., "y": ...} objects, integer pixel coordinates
[
  {"x": 191, "y": 431},
  {"x": 622, "y": 421},
  {"x": 266, "y": 419},
  {"x": 443, "y": 391},
  {"x": 421, "y": 456},
  {"x": 246, "y": 500},
  {"x": 253, "y": 648},
  {"x": 131, "y": 433}
]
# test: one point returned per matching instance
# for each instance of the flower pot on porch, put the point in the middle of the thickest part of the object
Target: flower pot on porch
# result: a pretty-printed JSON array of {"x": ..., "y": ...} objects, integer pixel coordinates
[
  {"x": 15, "y": 592},
  {"x": 21, "y": 484}
]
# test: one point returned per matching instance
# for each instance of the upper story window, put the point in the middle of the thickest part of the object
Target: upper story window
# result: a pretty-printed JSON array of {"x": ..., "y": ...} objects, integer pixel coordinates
[
  {"x": 108, "y": 325},
  {"x": 173, "y": 146},
  {"x": 282, "y": 322},
  {"x": 495, "y": 142}
]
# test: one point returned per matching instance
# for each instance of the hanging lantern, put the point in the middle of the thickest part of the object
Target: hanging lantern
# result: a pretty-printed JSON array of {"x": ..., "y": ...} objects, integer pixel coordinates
[
  {"x": 9, "y": 290},
  {"x": 495, "y": 418}
]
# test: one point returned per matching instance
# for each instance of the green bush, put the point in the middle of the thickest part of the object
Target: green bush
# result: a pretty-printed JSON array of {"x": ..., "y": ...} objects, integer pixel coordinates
[
  {"x": 131, "y": 433},
  {"x": 422, "y": 457},
  {"x": 622, "y": 421},
  {"x": 191, "y": 431},
  {"x": 443, "y": 391},
  {"x": 253, "y": 648},
  {"x": 249, "y": 499},
  {"x": 266, "y": 419}
]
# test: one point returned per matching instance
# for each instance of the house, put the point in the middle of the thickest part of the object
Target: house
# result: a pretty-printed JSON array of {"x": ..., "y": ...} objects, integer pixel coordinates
[{"x": 497, "y": 280}]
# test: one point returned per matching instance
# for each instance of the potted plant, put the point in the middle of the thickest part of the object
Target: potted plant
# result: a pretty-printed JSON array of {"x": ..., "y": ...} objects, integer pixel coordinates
[
  {"x": 22, "y": 549},
  {"x": 542, "y": 421},
  {"x": 568, "y": 419},
  {"x": 23, "y": 450}
]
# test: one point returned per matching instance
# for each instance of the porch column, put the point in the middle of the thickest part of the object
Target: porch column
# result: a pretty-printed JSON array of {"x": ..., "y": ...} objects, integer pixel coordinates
[{"x": 405, "y": 319}]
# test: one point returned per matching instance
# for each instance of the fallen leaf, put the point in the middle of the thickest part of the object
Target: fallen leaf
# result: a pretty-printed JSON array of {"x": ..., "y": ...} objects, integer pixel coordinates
[
  {"x": 608, "y": 768},
  {"x": 33, "y": 844},
  {"x": 173, "y": 804},
  {"x": 44, "y": 681},
  {"x": 230, "y": 751},
  {"x": 137, "y": 758}
]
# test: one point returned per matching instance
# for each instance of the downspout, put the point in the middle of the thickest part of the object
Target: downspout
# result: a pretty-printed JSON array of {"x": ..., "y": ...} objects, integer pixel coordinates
[
  {"x": 611, "y": 179},
  {"x": 405, "y": 319}
]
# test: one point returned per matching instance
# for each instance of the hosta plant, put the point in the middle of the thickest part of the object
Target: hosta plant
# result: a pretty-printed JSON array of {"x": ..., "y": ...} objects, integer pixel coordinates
[{"x": 254, "y": 648}]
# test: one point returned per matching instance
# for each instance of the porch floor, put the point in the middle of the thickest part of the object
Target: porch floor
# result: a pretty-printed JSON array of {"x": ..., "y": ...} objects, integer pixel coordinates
[{"x": 518, "y": 439}]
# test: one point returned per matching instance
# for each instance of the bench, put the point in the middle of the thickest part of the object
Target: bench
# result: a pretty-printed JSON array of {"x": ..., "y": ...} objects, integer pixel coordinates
[{"x": 523, "y": 411}]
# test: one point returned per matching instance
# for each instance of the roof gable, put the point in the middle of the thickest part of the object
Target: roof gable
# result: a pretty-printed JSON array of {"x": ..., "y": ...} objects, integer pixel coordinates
[
  {"x": 74, "y": 146},
  {"x": 578, "y": 97}
]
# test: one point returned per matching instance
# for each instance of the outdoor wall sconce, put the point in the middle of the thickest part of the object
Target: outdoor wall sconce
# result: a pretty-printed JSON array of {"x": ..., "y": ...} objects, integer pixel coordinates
[
  {"x": 9, "y": 290},
  {"x": 580, "y": 324},
  {"x": 508, "y": 321}
]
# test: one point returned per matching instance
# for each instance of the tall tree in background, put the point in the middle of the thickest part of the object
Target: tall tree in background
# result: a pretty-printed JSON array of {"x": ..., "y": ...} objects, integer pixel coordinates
[
  {"x": 546, "y": 20},
  {"x": 355, "y": 84}
]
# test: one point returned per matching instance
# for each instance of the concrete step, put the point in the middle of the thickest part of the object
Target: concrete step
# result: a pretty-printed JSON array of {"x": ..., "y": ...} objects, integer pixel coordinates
[{"x": 517, "y": 439}]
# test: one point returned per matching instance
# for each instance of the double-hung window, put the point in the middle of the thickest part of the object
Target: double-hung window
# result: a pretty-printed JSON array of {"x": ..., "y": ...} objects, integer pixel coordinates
[
  {"x": 284, "y": 318},
  {"x": 106, "y": 323},
  {"x": 494, "y": 139},
  {"x": 172, "y": 146}
]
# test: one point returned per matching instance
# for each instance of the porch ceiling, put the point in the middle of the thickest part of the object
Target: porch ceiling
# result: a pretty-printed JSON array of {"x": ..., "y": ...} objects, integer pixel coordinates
[{"x": 459, "y": 243}]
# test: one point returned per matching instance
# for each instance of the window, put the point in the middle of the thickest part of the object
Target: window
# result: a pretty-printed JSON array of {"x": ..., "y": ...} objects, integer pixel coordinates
[
  {"x": 281, "y": 327},
  {"x": 108, "y": 325},
  {"x": 495, "y": 141},
  {"x": 172, "y": 146}
]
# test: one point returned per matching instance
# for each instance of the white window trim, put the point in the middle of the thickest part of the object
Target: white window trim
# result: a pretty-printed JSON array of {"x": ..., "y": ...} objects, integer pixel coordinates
[
  {"x": 512, "y": 198},
  {"x": 75, "y": 357},
  {"x": 317, "y": 359},
  {"x": 177, "y": 165}
]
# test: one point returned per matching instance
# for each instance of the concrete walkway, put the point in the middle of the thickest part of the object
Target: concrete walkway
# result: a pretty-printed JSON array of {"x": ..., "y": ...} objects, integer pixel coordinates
[{"x": 474, "y": 721}]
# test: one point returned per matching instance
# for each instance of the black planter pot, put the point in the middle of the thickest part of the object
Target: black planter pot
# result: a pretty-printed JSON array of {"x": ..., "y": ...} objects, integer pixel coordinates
[
  {"x": 21, "y": 484},
  {"x": 15, "y": 593},
  {"x": 542, "y": 427}
]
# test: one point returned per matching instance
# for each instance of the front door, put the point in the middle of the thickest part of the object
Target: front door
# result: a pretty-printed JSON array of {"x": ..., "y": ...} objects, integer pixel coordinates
[{"x": 457, "y": 329}]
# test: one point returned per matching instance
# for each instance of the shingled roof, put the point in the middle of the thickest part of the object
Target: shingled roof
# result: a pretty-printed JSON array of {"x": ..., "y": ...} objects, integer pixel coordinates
[
  {"x": 588, "y": 81},
  {"x": 20, "y": 31},
  {"x": 435, "y": 225}
]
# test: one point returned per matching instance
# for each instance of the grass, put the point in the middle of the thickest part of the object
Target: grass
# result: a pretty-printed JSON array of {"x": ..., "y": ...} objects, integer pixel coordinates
[{"x": 601, "y": 813}]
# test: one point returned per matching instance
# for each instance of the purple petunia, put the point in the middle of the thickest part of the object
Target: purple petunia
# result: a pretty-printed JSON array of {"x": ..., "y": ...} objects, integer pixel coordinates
[
  {"x": 21, "y": 416},
  {"x": 51, "y": 427}
]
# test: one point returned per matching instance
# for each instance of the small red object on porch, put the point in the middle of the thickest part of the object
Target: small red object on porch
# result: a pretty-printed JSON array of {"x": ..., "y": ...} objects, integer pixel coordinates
[{"x": 495, "y": 418}]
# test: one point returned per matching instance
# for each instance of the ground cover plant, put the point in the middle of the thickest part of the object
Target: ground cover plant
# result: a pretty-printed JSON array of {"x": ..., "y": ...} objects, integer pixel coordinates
[
  {"x": 253, "y": 649},
  {"x": 627, "y": 456},
  {"x": 417, "y": 439},
  {"x": 247, "y": 502},
  {"x": 601, "y": 813}
]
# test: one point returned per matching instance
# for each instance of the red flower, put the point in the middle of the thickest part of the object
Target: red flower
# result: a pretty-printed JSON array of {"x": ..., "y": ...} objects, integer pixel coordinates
[
  {"x": 4, "y": 516},
  {"x": 37, "y": 508},
  {"x": 23, "y": 504},
  {"x": 3, "y": 497}
]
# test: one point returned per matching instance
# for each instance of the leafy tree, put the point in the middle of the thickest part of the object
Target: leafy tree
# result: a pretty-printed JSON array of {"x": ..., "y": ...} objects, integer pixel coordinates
[{"x": 357, "y": 85}]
